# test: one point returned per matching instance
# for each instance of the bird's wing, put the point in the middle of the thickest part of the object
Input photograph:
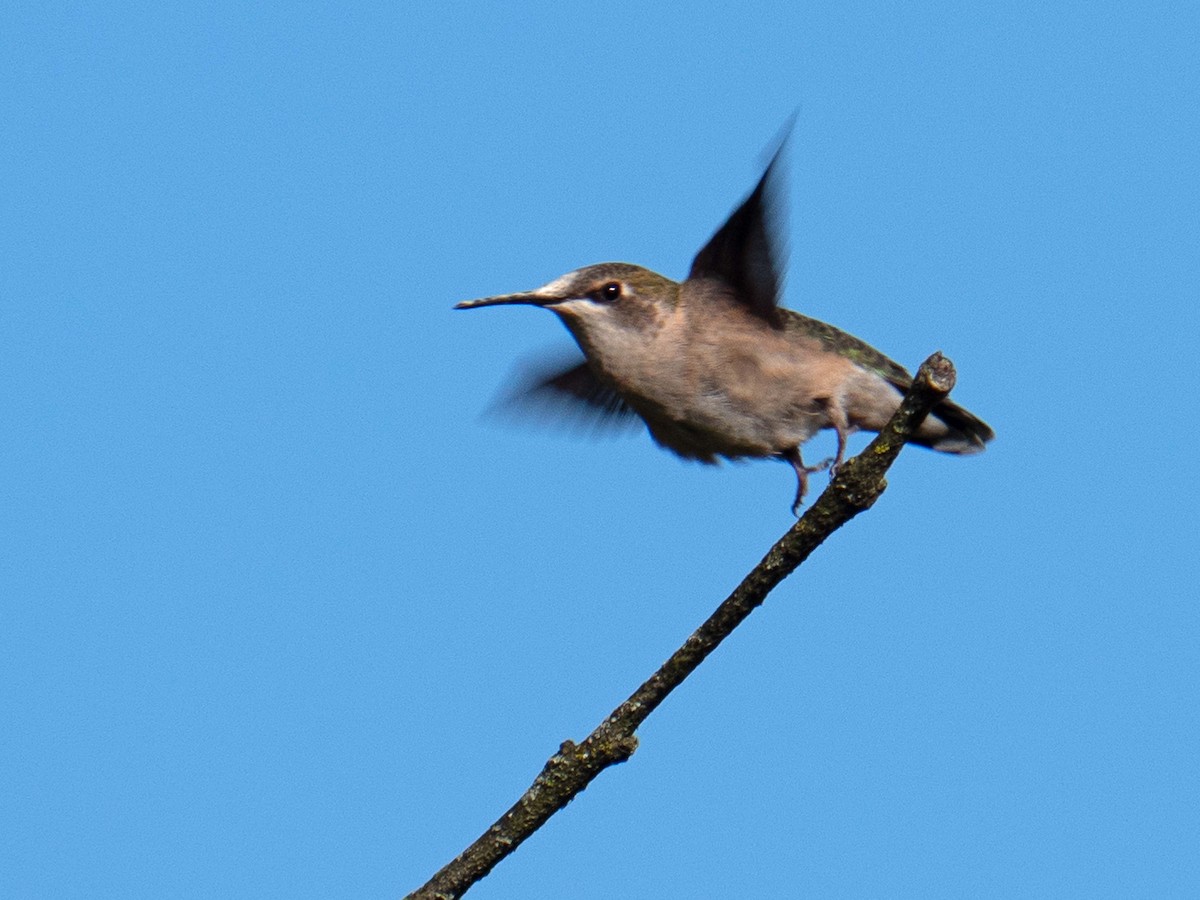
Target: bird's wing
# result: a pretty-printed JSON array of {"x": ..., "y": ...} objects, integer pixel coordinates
[
  {"x": 859, "y": 352},
  {"x": 745, "y": 251},
  {"x": 571, "y": 394}
]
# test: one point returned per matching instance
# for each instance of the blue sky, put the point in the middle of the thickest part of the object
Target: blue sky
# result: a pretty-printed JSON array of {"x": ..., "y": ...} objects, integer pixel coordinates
[{"x": 284, "y": 617}]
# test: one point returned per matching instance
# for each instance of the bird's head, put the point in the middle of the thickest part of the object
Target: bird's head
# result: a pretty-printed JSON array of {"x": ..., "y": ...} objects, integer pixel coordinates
[{"x": 605, "y": 306}]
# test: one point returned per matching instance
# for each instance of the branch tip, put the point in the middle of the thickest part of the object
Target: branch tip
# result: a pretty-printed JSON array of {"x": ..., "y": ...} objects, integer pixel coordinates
[{"x": 936, "y": 374}]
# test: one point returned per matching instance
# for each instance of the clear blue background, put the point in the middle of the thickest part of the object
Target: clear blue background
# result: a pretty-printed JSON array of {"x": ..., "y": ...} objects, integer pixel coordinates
[{"x": 283, "y": 617}]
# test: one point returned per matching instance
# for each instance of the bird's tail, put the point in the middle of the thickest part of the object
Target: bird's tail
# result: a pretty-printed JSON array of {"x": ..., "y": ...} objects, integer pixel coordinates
[{"x": 951, "y": 429}]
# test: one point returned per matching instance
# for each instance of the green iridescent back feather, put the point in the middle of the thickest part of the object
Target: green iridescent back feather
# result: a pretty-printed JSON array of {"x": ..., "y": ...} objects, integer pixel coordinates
[{"x": 847, "y": 345}]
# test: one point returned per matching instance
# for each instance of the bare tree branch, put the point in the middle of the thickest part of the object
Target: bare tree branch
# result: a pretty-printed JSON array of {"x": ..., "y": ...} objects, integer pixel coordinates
[{"x": 855, "y": 488}]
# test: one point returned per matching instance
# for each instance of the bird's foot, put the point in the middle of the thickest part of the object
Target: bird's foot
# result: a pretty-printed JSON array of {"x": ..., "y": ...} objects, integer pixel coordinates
[
  {"x": 801, "y": 490},
  {"x": 802, "y": 472}
]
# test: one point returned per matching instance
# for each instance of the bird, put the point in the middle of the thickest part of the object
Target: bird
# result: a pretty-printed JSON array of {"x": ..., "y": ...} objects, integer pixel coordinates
[{"x": 714, "y": 366}]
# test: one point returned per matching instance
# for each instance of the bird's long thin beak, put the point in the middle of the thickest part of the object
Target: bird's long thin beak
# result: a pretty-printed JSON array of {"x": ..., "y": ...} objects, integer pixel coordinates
[{"x": 528, "y": 298}]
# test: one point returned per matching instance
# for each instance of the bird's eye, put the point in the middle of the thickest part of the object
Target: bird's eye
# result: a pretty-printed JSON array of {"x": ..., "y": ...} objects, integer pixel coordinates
[{"x": 610, "y": 291}]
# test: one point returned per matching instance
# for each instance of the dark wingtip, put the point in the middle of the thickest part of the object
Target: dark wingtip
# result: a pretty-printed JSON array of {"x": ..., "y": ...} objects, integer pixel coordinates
[{"x": 782, "y": 136}]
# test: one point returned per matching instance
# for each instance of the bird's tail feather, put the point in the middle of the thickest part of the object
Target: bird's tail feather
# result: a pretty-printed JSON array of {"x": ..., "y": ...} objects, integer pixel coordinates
[{"x": 967, "y": 432}]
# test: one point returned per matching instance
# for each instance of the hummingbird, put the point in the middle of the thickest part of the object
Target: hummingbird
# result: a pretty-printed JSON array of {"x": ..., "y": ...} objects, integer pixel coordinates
[{"x": 714, "y": 366}]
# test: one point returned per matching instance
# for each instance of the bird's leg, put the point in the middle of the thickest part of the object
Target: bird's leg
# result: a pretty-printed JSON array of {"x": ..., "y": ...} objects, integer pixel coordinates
[
  {"x": 837, "y": 418},
  {"x": 802, "y": 472}
]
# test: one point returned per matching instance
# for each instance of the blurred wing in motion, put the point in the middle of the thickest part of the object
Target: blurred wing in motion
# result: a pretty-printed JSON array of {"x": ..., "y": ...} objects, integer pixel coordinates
[
  {"x": 562, "y": 392},
  {"x": 746, "y": 251}
]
